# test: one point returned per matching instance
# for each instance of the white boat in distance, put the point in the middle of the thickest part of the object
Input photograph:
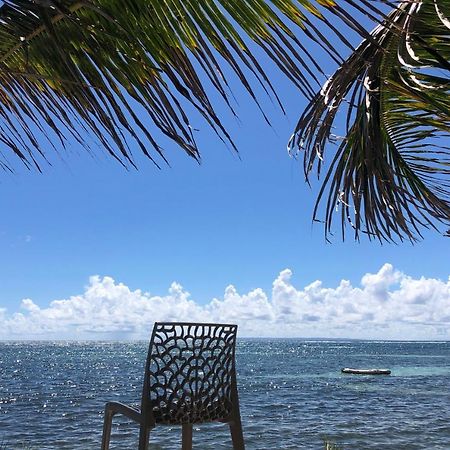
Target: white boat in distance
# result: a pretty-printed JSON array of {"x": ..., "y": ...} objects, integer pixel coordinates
[{"x": 366, "y": 371}]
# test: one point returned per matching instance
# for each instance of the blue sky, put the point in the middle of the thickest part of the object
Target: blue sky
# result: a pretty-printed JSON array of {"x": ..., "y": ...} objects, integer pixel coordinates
[
  {"x": 226, "y": 220},
  {"x": 231, "y": 220}
]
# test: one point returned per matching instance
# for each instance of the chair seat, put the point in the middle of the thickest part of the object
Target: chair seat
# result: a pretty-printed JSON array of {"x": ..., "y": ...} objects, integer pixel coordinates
[{"x": 188, "y": 412}]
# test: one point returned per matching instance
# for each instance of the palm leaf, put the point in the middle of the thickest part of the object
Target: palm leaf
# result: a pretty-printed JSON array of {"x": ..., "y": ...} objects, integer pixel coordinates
[
  {"x": 389, "y": 177},
  {"x": 71, "y": 69}
]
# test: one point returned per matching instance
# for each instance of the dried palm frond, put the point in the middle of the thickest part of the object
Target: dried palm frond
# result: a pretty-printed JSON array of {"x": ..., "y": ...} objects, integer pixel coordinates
[{"x": 389, "y": 177}]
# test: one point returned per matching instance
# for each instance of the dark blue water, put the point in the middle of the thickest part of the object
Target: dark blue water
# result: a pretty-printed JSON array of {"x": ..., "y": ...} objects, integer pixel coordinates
[{"x": 292, "y": 395}]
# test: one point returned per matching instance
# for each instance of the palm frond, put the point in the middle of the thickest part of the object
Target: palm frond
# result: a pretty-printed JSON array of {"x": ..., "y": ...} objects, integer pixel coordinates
[
  {"x": 389, "y": 177},
  {"x": 77, "y": 68}
]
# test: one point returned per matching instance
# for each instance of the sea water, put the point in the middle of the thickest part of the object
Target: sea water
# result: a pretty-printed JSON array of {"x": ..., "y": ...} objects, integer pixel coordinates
[{"x": 292, "y": 396}]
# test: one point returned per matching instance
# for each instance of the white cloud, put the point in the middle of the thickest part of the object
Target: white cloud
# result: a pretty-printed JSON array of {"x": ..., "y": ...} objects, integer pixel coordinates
[{"x": 387, "y": 305}]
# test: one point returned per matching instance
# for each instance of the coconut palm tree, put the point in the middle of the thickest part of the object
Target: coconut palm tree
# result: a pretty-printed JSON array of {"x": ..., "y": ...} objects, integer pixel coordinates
[{"x": 79, "y": 70}]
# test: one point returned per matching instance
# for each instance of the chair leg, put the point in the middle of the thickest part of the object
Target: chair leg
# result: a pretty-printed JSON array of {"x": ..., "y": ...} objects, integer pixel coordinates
[
  {"x": 107, "y": 424},
  {"x": 144, "y": 435},
  {"x": 237, "y": 435},
  {"x": 186, "y": 436}
]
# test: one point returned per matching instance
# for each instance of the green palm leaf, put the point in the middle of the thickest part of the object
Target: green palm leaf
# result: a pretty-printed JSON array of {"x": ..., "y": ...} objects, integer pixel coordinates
[
  {"x": 72, "y": 68},
  {"x": 390, "y": 174}
]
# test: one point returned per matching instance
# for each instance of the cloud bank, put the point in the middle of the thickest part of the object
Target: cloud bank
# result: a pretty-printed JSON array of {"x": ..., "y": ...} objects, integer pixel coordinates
[{"x": 386, "y": 305}]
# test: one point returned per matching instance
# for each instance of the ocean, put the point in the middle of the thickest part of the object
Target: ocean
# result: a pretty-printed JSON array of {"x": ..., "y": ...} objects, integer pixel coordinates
[{"x": 292, "y": 395}]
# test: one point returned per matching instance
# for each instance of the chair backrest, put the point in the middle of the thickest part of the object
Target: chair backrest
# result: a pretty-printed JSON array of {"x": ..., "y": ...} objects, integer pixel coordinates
[{"x": 190, "y": 373}]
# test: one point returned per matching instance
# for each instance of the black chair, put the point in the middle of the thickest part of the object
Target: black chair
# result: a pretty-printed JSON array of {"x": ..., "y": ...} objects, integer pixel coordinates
[{"x": 190, "y": 378}]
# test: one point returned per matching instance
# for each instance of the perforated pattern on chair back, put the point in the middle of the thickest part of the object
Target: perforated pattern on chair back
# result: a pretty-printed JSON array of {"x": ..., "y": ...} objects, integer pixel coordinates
[{"x": 191, "y": 369}]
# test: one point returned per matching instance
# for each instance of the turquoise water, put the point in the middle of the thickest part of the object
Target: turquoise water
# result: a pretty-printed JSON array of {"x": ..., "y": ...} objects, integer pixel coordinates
[{"x": 292, "y": 396}]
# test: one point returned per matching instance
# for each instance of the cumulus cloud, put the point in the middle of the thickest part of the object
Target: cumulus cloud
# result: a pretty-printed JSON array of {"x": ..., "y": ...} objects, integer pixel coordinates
[{"x": 386, "y": 305}]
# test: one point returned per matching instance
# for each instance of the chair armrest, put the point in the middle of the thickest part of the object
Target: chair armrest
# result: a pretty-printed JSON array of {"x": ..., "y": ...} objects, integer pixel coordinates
[{"x": 132, "y": 413}]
